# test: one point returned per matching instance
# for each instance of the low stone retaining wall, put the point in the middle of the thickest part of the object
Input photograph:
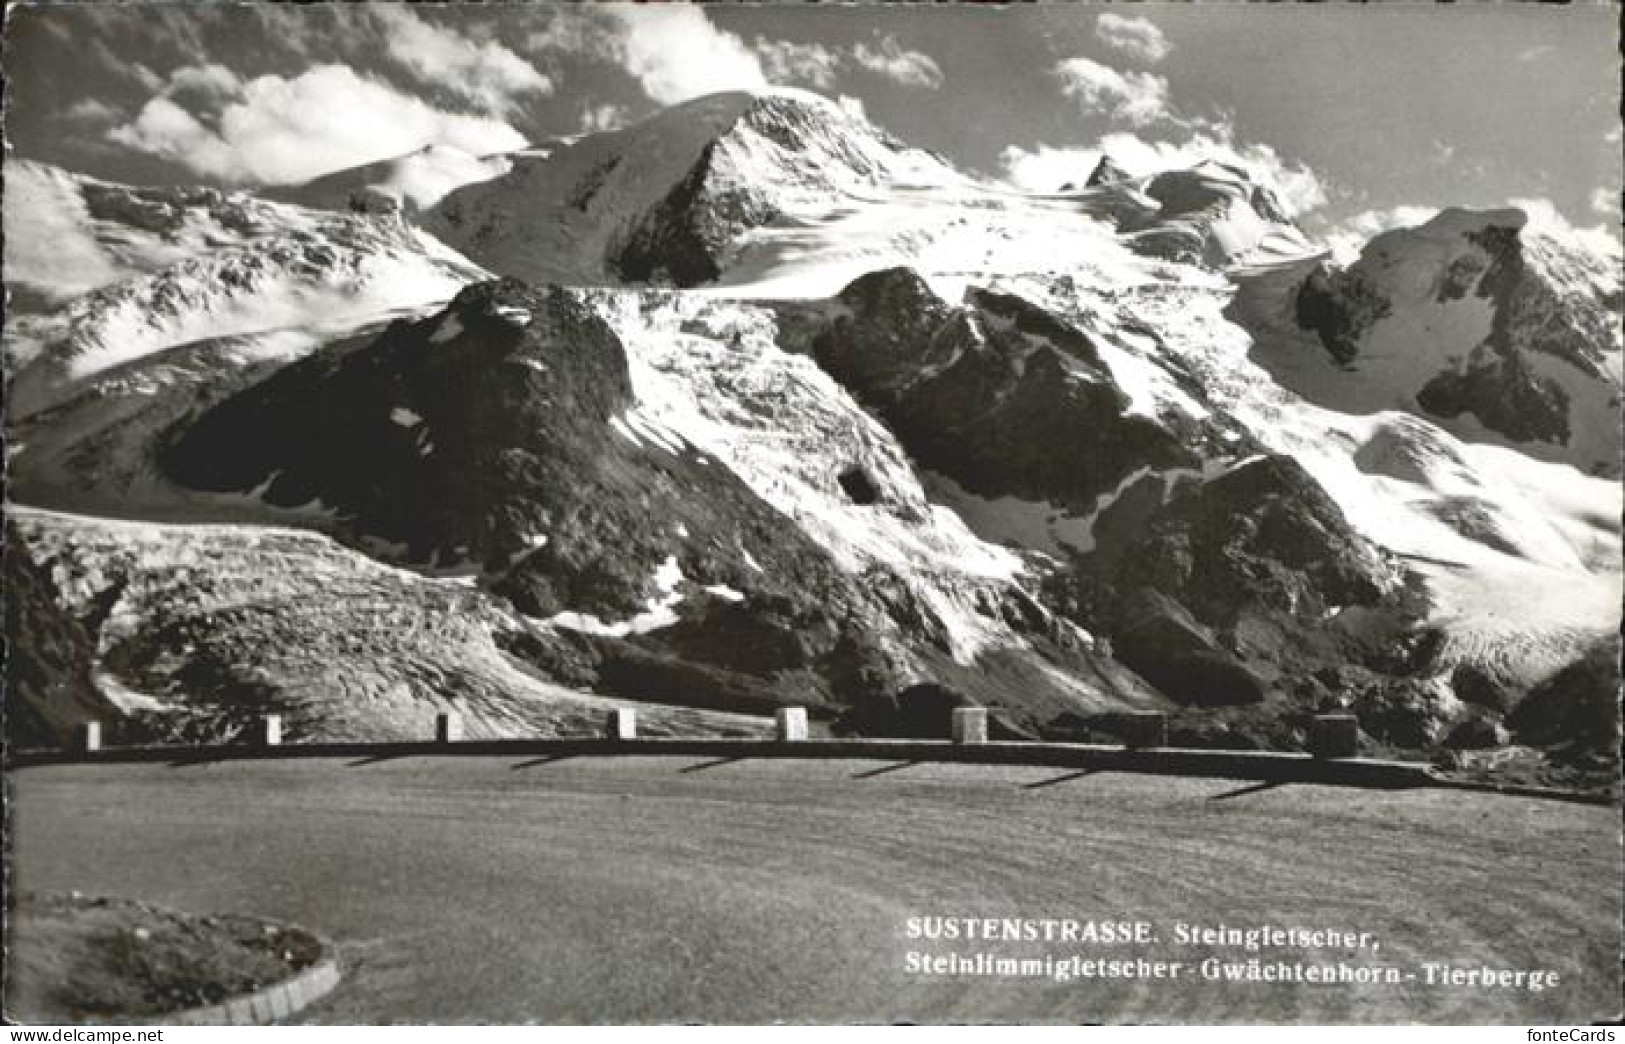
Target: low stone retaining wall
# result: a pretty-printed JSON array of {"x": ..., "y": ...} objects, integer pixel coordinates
[{"x": 1142, "y": 753}]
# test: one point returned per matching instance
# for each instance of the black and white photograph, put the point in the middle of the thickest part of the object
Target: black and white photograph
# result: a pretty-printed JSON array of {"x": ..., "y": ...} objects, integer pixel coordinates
[{"x": 672, "y": 514}]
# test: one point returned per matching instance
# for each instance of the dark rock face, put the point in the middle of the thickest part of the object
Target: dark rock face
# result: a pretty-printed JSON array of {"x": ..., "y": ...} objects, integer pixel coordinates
[
  {"x": 482, "y": 439},
  {"x": 1408, "y": 713},
  {"x": 1268, "y": 205},
  {"x": 1217, "y": 591},
  {"x": 1162, "y": 643},
  {"x": 1340, "y": 308},
  {"x": 985, "y": 393},
  {"x": 1212, "y": 589},
  {"x": 926, "y": 710},
  {"x": 1106, "y": 172},
  {"x": 682, "y": 239},
  {"x": 1506, "y": 397},
  {"x": 1478, "y": 687},
  {"x": 1577, "y": 708},
  {"x": 455, "y": 437},
  {"x": 1477, "y": 733},
  {"x": 50, "y": 659},
  {"x": 1535, "y": 313},
  {"x": 1531, "y": 314},
  {"x": 1263, "y": 534}
]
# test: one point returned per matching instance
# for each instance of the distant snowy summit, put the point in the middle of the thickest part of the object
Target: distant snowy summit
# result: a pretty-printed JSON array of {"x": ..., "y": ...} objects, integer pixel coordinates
[
  {"x": 1489, "y": 324},
  {"x": 730, "y": 187},
  {"x": 413, "y": 182}
]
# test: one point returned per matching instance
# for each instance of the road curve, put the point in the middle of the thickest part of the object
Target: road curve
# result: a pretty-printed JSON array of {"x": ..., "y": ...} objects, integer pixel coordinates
[{"x": 673, "y": 889}]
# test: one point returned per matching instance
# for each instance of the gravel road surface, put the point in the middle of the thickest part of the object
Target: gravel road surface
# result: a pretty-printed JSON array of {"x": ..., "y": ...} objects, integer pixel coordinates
[{"x": 676, "y": 889}]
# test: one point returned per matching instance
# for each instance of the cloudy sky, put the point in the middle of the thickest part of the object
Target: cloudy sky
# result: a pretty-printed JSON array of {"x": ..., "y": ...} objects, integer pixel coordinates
[{"x": 1358, "y": 112}]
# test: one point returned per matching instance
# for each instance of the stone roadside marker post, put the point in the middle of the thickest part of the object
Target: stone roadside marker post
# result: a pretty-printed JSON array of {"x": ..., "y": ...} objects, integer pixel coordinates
[
  {"x": 790, "y": 724},
  {"x": 622, "y": 724},
  {"x": 1148, "y": 729},
  {"x": 1334, "y": 736},
  {"x": 970, "y": 725}
]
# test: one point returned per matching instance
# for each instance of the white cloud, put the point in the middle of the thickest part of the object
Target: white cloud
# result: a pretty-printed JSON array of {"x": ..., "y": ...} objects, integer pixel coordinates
[
  {"x": 1138, "y": 97},
  {"x": 1134, "y": 37},
  {"x": 787, "y": 62},
  {"x": 1296, "y": 185},
  {"x": 487, "y": 74},
  {"x": 889, "y": 58},
  {"x": 676, "y": 53},
  {"x": 1349, "y": 236},
  {"x": 1046, "y": 169},
  {"x": 1546, "y": 219},
  {"x": 1605, "y": 201},
  {"x": 580, "y": 30},
  {"x": 274, "y": 130},
  {"x": 818, "y": 66}
]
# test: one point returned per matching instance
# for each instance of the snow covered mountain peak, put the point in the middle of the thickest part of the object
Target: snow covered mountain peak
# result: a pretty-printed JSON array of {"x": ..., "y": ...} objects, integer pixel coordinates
[
  {"x": 664, "y": 200},
  {"x": 412, "y": 182},
  {"x": 101, "y": 275},
  {"x": 1215, "y": 214},
  {"x": 1498, "y": 330}
]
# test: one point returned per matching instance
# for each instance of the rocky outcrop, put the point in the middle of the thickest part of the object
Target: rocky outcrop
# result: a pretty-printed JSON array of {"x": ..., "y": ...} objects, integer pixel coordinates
[
  {"x": 1577, "y": 709},
  {"x": 501, "y": 441},
  {"x": 491, "y": 440},
  {"x": 50, "y": 659},
  {"x": 984, "y": 393},
  {"x": 1505, "y": 397},
  {"x": 1106, "y": 172},
  {"x": 1263, "y": 534},
  {"x": 1339, "y": 309},
  {"x": 1480, "y": 317},
  {"x": 682, "y": 239},
  {"x": 1165, "y": 646},
  {"x": 1224, "y": 590}
]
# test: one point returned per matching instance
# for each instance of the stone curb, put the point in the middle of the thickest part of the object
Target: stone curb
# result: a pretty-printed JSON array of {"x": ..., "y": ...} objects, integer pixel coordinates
[
  {"x": 1522, "y": 790},
  {"x": 262, "y": 1007},
  {"x": 1262, "y": 766}
]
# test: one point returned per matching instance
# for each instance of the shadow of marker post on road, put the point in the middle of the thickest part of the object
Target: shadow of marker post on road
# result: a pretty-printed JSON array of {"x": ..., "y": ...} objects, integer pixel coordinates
[
  {"x": 1052, "y": 781},
  {"x": 703, "y": 765},
  {"x": 882, "y": 770},
  {"x": 1243, "y": 791},
  {"x": 547, "y": 760}
]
